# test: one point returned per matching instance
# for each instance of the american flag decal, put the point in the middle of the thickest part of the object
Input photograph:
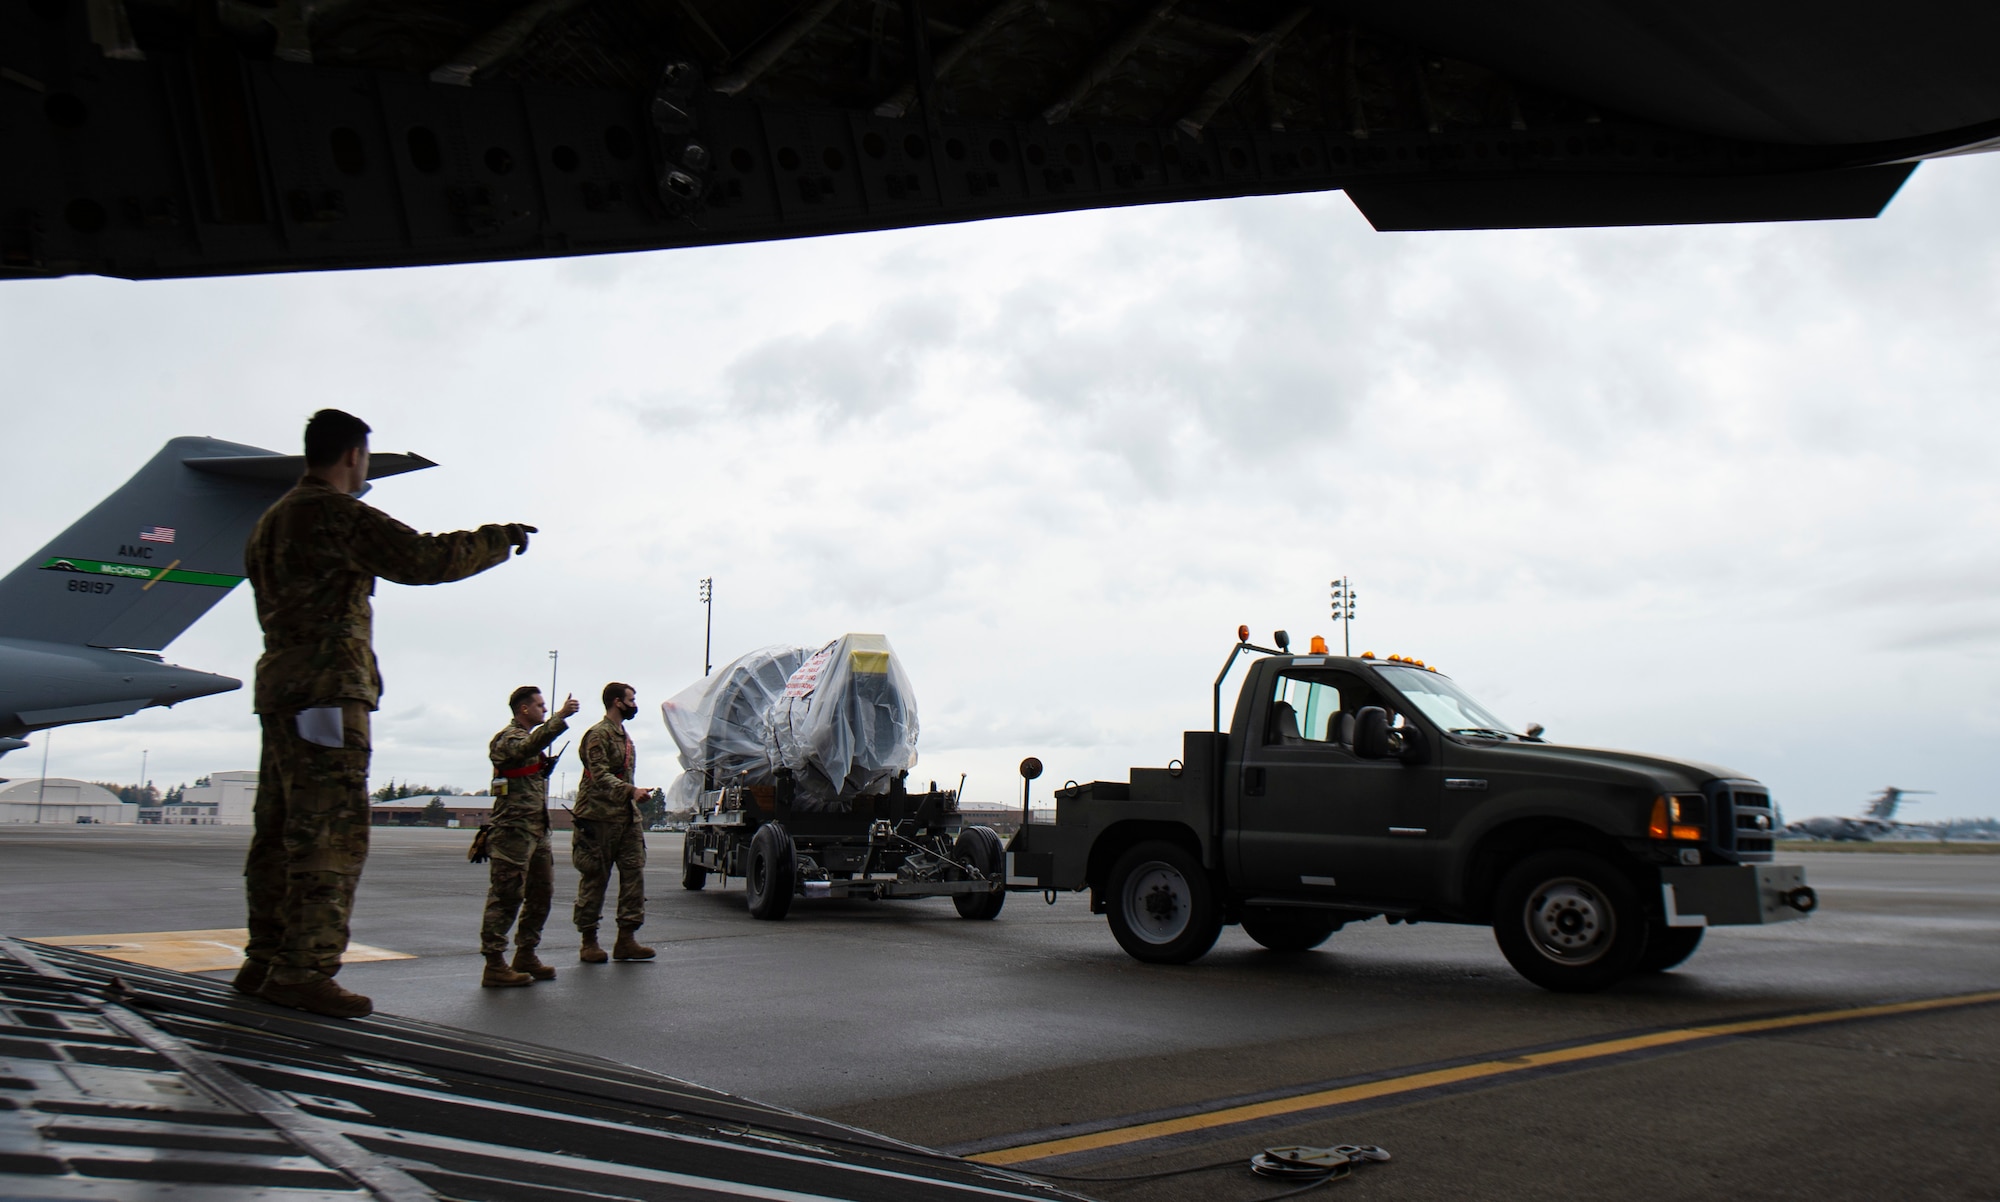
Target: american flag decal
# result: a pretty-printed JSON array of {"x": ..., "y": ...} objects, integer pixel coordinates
[{"x": 157, "y": 534}]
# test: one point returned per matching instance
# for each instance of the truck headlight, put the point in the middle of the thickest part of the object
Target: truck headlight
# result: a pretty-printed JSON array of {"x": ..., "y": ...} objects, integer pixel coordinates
[{"x": 1681, "y": 816}]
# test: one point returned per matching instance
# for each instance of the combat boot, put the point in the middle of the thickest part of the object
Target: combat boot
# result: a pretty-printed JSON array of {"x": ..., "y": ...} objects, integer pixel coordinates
[
  {"x": 526, "y": 961},
  {"x": 591, "y": 953},
  {"x": 628, "y": 947},
  {"x": 499, "y": 976},
  {"x": 319, "y": 995},
  {"x": 250, "y": 978}
]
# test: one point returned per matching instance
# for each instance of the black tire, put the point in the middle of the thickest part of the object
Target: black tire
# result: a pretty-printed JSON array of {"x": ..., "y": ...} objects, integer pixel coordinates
[
  {"x": 1667, "y": 947},
  {"x": 771, "y": 876},
  {"x": 693, "y": 875},
  {"x": 980, "y": 847},
  {"x": 1163, "y": 907},
  {"x": 1569, "y": 922},
  {"x": 1289, "y": 931}
]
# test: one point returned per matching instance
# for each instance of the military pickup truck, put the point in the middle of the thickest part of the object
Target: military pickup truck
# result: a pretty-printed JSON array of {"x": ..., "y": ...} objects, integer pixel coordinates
[{"x": 1350, "y": 788}]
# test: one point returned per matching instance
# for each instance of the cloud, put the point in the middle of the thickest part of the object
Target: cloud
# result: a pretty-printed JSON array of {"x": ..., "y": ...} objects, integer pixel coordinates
[
  {"x": 1687, "y": 489},
  {"x": 850, "y": 371},
  {"x": 1963, "y": 635}
]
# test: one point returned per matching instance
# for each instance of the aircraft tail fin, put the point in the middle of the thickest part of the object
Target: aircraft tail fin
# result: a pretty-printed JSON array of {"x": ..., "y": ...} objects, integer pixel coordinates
[{"x": 161, "y": 551}]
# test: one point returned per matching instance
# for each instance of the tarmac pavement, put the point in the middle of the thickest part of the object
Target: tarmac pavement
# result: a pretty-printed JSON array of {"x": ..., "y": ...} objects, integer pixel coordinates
[{"x": 1034, "y": 1028}]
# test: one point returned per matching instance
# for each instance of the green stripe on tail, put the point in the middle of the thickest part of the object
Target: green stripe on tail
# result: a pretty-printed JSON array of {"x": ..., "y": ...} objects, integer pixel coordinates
[{"x": 140, "y": 571}]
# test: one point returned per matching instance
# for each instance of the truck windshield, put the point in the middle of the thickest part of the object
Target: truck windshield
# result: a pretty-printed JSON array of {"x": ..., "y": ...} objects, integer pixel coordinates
[{"x": 1445, "y": 703}]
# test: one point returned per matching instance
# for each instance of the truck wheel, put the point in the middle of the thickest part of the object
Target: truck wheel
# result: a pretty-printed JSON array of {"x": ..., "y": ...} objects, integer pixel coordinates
[
  {"x": 980, "y": 847},
  {"x": 771, "y": 876},
  {"x": 1289, "y": 931},
  {"x": 693, "y": 875},
  {"x": 1568, "y": 921},
  {"x": 1667, "y": 946},
  {"x": 1163, "y": 908}
]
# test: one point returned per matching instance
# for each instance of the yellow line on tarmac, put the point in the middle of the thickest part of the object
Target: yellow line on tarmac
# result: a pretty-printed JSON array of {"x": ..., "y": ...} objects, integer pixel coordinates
[
  {"x": 191, "y": 951},
  {"x": 1414, "y": 1082}
]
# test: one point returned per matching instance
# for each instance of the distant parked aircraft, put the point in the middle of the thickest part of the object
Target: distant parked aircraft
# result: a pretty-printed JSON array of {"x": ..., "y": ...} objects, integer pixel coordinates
[{"x": 1879, "y": 820}]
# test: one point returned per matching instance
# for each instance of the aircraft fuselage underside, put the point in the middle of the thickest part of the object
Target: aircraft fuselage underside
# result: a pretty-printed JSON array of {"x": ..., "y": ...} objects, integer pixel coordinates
[{"x": 191, "y": 155}]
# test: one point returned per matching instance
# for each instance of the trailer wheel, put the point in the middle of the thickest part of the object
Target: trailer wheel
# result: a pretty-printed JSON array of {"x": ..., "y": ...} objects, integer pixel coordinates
[
  {"x": 1667, "y": 947},
  {"x": 980, "y": 847},
  {"x": 693, "y": 875},
  {"x": 1289, "y": 931},
  {"x": 1569, "y": 922},
  {"x": 771, "y": 877},
  {"x": 1163, "y": 908}
]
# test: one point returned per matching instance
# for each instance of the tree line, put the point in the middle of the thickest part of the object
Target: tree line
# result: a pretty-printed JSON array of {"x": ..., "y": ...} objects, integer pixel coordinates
[
  {"x": 149, "y": 794},
  {"x": 651, "y": 810},
  {"x": 395, "y": 792}
]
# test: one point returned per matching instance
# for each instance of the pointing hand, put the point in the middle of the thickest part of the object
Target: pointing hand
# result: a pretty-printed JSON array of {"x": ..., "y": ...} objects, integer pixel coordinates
[{"x": 517, "y": 534}]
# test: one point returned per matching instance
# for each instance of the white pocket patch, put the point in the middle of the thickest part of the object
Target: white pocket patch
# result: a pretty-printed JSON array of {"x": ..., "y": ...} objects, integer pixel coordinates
[{"x": 323, "y": 726}]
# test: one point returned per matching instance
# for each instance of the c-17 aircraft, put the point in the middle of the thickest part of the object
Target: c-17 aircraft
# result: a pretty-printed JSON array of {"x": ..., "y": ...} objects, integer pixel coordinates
[
  {"x": 1878, "y": 821},
  {"x": 84, "y": 619}
]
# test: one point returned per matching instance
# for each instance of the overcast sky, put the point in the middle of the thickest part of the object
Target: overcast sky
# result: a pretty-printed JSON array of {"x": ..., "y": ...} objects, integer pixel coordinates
[{"x": 1726, "y": 493}]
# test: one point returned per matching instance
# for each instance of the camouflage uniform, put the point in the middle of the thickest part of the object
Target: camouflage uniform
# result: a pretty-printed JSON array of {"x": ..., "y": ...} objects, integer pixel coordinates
[
  {"x": 523, "y": 866},
  {"x": 312, "y": 563},
  {"x": 608, "y": 830}
]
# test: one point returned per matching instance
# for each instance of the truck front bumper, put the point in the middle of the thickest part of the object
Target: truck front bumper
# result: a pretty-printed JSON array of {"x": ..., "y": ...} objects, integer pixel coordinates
[{"x": 1735, "y": 894}]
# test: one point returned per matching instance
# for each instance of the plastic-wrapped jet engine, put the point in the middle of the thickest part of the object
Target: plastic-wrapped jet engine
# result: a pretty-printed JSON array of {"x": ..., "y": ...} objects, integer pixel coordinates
[
  {"x": 718, "y": 722},
  {"x": 842, "y": 720}
]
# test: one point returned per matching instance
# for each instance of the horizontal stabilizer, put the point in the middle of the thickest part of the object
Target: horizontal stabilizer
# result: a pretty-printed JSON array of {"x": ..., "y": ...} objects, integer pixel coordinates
[
  {"x": 286, "y": 469},
  {"x": 56, "y": 684}
]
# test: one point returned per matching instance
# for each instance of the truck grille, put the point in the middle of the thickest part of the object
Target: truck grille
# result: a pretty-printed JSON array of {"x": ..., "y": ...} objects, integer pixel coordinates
[{"x": 1745, "y": 823}]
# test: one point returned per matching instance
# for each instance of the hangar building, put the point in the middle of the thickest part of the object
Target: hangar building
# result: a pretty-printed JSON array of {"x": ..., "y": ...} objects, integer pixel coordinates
[
  {"x": 224, "y": 801},
  {"x": 60, "y": 799}
]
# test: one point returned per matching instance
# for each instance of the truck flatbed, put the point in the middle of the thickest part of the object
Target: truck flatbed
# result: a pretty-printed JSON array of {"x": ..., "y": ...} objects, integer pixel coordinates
[{"x": 888, "y": 846}]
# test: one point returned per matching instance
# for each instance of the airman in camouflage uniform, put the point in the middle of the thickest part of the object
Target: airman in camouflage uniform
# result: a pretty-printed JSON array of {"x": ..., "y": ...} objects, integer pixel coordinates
[
  {"x": 608, "y": 831},
  {"x": 523, "y": 869},
  {"x": 312, "y": 562}
]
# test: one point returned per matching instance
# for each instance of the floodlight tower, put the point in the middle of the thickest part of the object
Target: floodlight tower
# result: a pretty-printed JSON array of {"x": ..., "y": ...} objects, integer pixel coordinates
[
  {"x": 708, "y": 632},
  {"x": 1343, "y": 612},
  {"x": 42, "y": 789}
]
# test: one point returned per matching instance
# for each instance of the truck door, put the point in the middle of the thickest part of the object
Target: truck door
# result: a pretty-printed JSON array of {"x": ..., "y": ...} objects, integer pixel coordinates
[{"x": 1317, "y": 819}]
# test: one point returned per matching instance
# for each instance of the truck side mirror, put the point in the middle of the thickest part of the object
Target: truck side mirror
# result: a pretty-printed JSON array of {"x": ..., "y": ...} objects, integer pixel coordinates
[
  {"x": 1371, "y": 732},
  {"x": 1407, "y": 743}
]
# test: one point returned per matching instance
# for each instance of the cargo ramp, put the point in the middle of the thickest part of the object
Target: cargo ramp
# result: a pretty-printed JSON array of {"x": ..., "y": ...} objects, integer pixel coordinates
[{"x": 124, "y": 1082}]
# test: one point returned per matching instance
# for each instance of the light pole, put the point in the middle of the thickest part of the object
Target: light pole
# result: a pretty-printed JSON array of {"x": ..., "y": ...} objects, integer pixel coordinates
[
  {"x": 42, "y": 790},
  {"x": 553, "y": 657},
  {"x": 143, "y": 753},
  {"x": 708, "y": 632},
  {"x": 1343, "y": 612}
]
